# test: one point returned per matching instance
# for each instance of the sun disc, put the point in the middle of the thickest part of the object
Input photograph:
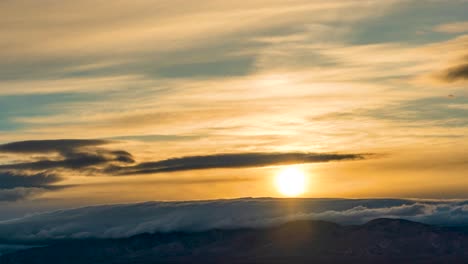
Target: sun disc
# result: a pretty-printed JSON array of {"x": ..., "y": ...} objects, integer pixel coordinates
[{"x": 291, "y": 182}]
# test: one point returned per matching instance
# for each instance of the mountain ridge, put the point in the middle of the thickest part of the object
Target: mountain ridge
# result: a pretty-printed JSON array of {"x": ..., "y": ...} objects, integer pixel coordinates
[{"x": 382, "y": 240}]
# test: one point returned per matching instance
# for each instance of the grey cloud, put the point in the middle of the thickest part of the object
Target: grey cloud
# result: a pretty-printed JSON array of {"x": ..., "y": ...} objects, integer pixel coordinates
[
  {"x": 232, "y": 67},
  {"x": 236, "y": 160},
  {"x": 158, "y": 137},
  {"x": 456, "y": 73},
  {"x": 16, "y": 186},
  {"x": 41, "y": 146},
  {"x": 20, "y": 193},
  {"x": 440, "y": 111},
  {"x": 113, "y": 221},
  {"x": 11, "y": 180},
  {"x": 22, "y": 180},
  {"x": 86, "y": 157},
  {"x": 75, "y": 160},
  {"x": 74, "y": 154}
]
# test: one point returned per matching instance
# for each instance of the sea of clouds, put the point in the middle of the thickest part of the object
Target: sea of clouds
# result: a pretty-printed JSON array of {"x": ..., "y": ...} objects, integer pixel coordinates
[{"x": 123, "y": 220}]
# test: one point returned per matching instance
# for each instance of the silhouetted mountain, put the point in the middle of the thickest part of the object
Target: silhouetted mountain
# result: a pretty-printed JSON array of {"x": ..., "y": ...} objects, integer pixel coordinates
[{"x": 378, "y": 241}]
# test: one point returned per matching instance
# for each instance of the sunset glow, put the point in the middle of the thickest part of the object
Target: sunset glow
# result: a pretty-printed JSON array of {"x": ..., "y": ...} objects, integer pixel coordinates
[
  {"x": 291, "y": 182},
  {"x": 117, "y": 102}
]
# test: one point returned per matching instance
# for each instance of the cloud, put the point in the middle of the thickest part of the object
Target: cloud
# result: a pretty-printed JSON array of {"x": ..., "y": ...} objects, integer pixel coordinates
[
  {"x": 41, "y": 146},
  {"x": 74, "y": 154},
  {"x": 456, "y": 73},
  {"x": 447, "y": 111},
  {"x": 75, "y": 160},
  {"x": 10, "y": 180},
  {"x": 16, "y": 194},
  {"x": 86, "y": 157},
  {"x": 165, "y": 24},
  {"x": 17, "y": 186},
  {"x": 113, "y": 221},
  {"x": 452, "y": 28},
  {"x": 46, "y": 162},
  {"x": 236, "y": 160},
  {"x": 25, "y": 179}
]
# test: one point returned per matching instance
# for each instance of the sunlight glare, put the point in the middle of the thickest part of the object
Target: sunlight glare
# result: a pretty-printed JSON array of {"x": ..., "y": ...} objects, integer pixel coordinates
[{"x": 291, "y": 182}]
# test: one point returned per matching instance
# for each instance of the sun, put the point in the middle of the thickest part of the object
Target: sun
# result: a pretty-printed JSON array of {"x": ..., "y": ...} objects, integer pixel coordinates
[{"x": 291, "y": 182}]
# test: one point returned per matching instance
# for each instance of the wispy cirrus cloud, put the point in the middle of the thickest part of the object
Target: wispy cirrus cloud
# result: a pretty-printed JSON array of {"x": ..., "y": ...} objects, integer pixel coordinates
[
  {"x": 456, "y": 27},
  {"x": 247, "y": 77}
]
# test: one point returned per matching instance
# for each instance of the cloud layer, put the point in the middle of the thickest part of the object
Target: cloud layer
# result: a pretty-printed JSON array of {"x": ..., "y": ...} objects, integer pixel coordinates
[
  {"x": 113, "y": 221},
  {"x": 238, "y": 160},
  {"x": 38, "y": 174},
  {"x": 10, "y": 180},
  {"x": 41, "y": 146},
  {"x": 16, "y": 186},
  {"x": 44, "y": 161},
  {"x": 459, "y": 72},
  {"x": 73, "y": 154}
]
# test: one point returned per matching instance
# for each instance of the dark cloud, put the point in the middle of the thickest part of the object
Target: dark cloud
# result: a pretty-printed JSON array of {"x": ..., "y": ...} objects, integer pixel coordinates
[
  {"x": 74, "y": 154},
  {"x": 86, "y": 156},
  {"x": 17, "y": 186},
  {"x": 16, "y": 194},
  {"x": 75, "y": 160},
  {"x": 11, "y": 180},
  {"x": 21, "y": 180},
  {"x": 48, "y": 159},
  {"x": 237, "y": 160},
  {"x": 456, "y": 73},
  {"x": 42, "y": 146}
]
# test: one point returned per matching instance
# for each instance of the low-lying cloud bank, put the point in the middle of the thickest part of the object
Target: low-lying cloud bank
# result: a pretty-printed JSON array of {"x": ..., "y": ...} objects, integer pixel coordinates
[{"x": 115, "y": 221}]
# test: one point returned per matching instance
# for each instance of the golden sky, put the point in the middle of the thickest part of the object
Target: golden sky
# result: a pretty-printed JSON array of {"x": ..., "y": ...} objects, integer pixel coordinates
[{"x": 182, "y": 100}]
